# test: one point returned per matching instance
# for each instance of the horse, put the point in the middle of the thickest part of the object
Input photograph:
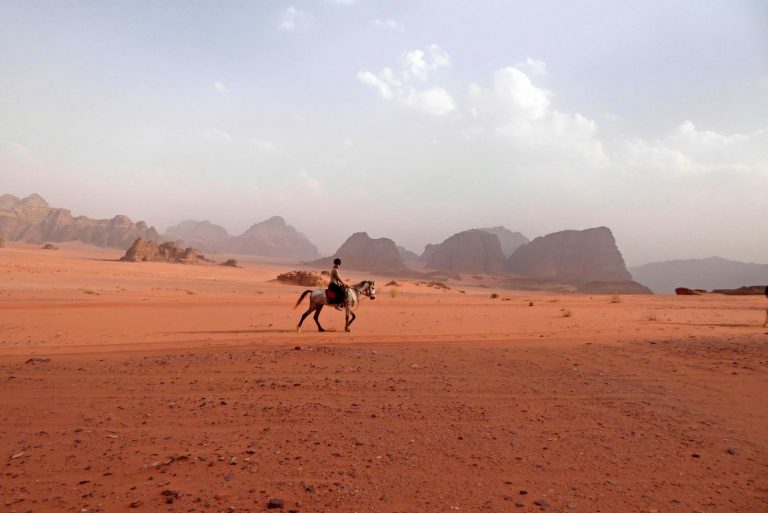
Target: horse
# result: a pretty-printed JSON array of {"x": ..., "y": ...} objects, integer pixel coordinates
[{"x": 318, "y": 299}]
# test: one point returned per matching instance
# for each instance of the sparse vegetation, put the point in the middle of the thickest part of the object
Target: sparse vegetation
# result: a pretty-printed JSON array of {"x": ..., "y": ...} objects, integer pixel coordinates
[
  {"x": 90, "y": 291},
  {"x": 393, "y": 292},
  {"x": 530, "y": 303},
  {"x": 652, "y": 317},
  {"x": 191, "y": 292},
  {"x": 494, "y": 296},
  {"x": 566, "y": 313},
  {"x": 615, "y": 298}
]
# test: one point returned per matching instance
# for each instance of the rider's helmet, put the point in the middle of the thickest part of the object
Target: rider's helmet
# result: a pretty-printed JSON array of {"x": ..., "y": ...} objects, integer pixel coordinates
[{"x": 337, "y": 261}]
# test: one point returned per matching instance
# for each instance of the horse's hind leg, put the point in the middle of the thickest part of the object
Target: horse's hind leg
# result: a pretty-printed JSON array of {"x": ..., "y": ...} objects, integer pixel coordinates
[
  {"x": 304, "y": 316},
  {"x": 317, "y": 318}
]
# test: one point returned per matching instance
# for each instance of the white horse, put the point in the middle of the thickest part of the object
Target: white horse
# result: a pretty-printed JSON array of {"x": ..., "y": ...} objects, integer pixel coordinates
[{"x": 318, "y": 299}]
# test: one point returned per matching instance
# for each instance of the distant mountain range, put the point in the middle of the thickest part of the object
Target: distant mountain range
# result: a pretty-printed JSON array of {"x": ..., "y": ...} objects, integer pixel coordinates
[
  {"x": 707, "y": 274},
  {"x": 32, "y": 220},
  {"x": 270, "y": 238}
]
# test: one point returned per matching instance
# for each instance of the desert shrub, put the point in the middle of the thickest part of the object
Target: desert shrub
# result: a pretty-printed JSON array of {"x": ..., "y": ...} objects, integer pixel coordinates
[
  {"x": 530, "y": 303},
  {"x": 652, "y": 317},
  {"x": 615, "y": 298},
  {"x": 494, "y": 296},
  {"x": 566, "y": 313},
  {"x": 393, "y": 292},
  {"x": 89, "y": 291}
]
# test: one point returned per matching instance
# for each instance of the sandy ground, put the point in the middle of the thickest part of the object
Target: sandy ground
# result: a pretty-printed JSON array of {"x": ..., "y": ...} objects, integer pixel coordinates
[{"x": 160, "y": 387}]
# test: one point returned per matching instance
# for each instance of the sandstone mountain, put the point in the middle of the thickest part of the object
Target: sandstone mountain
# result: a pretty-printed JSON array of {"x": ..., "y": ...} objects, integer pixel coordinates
[
  {"x": 471, "y": 251},
  {"x": 362, "y": 253},
  {"x": 509, "y": 240},
  {"x": 148, "y": 251},
  {"x": 708, "y": 274},
  {"x": 270, "y": 238},
  {"x": 571, "y": 256},
  {"x": 407, "y": 255},
  {"x": 32, "y": 220}
]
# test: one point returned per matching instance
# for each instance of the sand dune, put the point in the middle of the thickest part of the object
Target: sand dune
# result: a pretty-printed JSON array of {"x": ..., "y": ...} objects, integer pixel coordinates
[{"x": 164, "y": 387}]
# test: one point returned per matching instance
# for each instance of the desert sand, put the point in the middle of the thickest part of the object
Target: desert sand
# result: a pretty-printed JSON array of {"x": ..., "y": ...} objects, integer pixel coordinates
[{"x": 185, "y": 388}]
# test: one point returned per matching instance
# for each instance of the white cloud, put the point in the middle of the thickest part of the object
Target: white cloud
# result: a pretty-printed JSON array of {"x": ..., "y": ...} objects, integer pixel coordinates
[
  {"x": 220, "y": 87},
  {"x": 417, "y": 65},
  {"x": 294, "y": 20},
  {"x": 435, "y": 101},
  {"x": 533, "y": 66},
  {"x": 217, "y": 136},
  {"x": 388, "y": 24}
]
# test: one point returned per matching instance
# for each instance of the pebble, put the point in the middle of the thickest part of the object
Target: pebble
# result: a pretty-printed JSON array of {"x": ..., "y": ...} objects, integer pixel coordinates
[
  {"x": 274, "y": 503},
  {"x": 731, "y": 450},
  {"x": 519, "y": 504},
  {"x": 542, "y": 503}
]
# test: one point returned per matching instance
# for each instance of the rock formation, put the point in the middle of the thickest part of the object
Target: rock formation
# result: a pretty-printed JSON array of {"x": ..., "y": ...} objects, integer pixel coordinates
[
  {"x": 683, "y": 291},
  {"x": 509, "y": 240},
  {"x": 303, "y": 278},
  {"x": 271, "y": 238},
  {"x": 471, "y": 251},
  {"x": 32, "y": 220},
  {"x": 148, "y": 251},
  {"x": 571, "y": 256},
  {"x": 612, "y": 287},
  {"x": 407, "y": 256},
  {"x": 746, "y": 290},
  {"x": 362, "y": 253},
  {"x": 708, "y": 273}
]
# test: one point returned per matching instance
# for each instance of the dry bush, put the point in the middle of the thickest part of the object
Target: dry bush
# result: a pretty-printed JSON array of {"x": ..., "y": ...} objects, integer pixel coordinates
[
  {"x": 566, "y": 313},
  {"x": 494, "y": 296},
  {"x": 615, "y": 298},
  {"x": 393, "y": 293},
  {"x": 530, "y": 303},
  {"x": 652, "y": 317},
  {"x": 90, "y": 291}
]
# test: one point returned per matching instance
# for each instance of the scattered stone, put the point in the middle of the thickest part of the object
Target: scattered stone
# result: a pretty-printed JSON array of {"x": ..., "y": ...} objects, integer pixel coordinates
[
  {"x": 275, "y": 504},
  {"x": 695, "y": 455},
  {"x": 50, "y": 246},
  {"x": 38, "y": 360},
  {"x": 731, "y": 450},
  {"x": 148, "y": 251},
  {"x": 523, "y": 492},
  {"x": 519, "y": 504},
  {"x": 231, "y": 263},
  {"x": 136, "y": 504},
  {"x": 542, "y": 503}
]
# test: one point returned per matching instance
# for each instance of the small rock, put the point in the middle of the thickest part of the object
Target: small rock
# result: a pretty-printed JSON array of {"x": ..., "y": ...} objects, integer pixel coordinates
[
  {"x": 274, "y": 503},
  {"x": 731, "y": 450},
  {"x": 542, "y": 503},
  {"x": 695, "y": 455},
  {"x": 519, "y": 504},
  {"x": 136, "y": 504}
]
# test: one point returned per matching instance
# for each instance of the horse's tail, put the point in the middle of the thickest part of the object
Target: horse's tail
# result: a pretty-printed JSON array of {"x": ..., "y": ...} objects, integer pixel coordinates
[{"x": 301, "y": 298}]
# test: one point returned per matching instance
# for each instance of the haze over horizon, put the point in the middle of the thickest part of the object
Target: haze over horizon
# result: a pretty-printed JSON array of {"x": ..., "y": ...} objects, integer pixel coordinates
[{"x": 408, "y": 120}]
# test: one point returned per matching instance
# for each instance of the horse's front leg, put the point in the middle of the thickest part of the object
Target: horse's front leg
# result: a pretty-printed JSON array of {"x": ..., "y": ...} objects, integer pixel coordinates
[
  {"x": 317, "y": 318},
  {"x": 352, "y": 313},
  {"x": 348, "y": 322}
]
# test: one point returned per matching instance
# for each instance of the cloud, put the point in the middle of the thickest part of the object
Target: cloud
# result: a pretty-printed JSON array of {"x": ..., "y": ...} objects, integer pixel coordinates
[
  {"x": 294, "y": 20},
  {"x": 416, "y": 65},
  {"x": 220, "y": 87},
  {"x": 388, "y": 24},
  {"x": 217, "y": 136},
  {"x": 533, "y": 66}
]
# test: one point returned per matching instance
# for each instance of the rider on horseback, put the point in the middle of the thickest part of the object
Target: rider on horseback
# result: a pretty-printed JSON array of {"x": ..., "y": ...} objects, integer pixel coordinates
[{"x": 337, "y": 286}]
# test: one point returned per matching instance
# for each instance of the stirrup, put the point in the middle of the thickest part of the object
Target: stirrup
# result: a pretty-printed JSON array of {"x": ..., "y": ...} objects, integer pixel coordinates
[{"x": 339, "y": 306}]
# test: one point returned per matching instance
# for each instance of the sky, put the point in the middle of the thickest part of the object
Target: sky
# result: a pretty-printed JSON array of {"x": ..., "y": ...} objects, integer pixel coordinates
[{"x": 410, "y": 119}]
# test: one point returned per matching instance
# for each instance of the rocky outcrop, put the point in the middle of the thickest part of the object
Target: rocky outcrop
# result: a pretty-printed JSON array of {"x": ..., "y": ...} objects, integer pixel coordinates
[
  {"x": 707, "y": 273},
  {"x": 571, "y": 256},
  {"x": 32, "y": 220},
  {"x": 148, "y": 251},
  {"x": 471, "y": 251},
  {"x": 612, "y": 287},
  {"x": 362, "y": 253},
  {"x": 303, "y": 278},
  {"x": 203, "y": 235},
  {"x": 407, "y": 255},
  {"x": 508, "y": 239},
  {"x": 275, "y": 238},
  {"x": 683, "y": 291},
  {"x": 747, "y": 290}
]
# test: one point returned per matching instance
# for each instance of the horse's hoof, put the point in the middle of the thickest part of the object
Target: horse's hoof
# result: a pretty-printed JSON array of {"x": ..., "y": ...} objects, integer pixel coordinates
[
  {"x": 321, "y": 330},
  {"x": 347, "y": 330},
  {"x": 298, "y": 329}
]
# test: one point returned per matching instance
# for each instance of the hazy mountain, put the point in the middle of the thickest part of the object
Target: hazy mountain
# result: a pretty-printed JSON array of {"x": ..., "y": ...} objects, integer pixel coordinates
[
  {"x": 471, "y": 251},
  {"x": 708, "y": 274},
  {"x": 571, "y": 256},
  {"x": 202, "y": 235},
  {"x": 32, "y": 220},
  {"x": 361, "y": 252},
  {"x": 508, "y": 239}
]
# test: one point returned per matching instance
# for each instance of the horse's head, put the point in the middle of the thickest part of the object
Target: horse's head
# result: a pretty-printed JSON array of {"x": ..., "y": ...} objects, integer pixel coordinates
[{"x": 369, "y": 289}]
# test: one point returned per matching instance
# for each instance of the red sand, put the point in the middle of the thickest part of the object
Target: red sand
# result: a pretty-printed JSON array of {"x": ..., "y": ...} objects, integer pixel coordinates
[{"x": 185, "y": 388}]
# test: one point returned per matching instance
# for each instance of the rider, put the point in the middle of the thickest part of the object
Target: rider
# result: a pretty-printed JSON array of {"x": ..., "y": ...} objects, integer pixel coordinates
[{"x": 337, "y": 284}]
